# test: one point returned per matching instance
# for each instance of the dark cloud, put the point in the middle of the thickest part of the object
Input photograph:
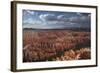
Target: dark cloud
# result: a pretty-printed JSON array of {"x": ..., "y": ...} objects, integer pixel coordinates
[{"x": 65, "y": 22}]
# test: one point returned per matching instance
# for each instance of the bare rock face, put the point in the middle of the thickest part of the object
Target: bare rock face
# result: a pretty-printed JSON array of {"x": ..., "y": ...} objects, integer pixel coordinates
[{"x": 55, "y": 45}]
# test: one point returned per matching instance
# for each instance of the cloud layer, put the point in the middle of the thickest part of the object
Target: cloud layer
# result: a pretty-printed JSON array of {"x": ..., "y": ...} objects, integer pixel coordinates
[{"x": 51, "y": 19}]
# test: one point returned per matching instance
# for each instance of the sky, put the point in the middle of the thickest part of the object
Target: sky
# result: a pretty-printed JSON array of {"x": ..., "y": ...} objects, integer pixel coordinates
[{"x": 55, "y": 19}]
